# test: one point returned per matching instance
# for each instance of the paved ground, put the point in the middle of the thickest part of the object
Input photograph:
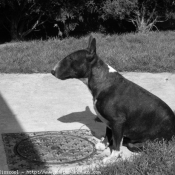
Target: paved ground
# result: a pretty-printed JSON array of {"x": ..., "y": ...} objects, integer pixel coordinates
[{"x": 35, "y": 102}]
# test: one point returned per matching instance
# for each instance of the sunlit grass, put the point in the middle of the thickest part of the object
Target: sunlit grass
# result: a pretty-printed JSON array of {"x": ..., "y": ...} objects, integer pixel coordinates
[
  {"x": 157, "y": 158},
  {"x": 153, "y": 52}
]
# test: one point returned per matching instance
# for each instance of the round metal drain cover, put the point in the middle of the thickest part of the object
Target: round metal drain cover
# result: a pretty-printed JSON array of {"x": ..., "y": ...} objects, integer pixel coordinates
[{"x": 57, "y": 149}]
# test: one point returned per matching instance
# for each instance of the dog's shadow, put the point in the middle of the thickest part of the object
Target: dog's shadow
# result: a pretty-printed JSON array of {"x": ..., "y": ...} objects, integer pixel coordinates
[{"x": 88, "y": 119}]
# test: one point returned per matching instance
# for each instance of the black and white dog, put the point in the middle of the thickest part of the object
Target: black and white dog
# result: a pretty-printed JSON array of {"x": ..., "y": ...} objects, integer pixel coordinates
[{"x": 129, "y": 111}]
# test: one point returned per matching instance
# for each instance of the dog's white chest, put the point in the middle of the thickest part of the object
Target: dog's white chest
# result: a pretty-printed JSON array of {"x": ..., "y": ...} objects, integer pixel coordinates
[
  {"x": 99, "y": 115},
  {"x": 111, "y": 69}
]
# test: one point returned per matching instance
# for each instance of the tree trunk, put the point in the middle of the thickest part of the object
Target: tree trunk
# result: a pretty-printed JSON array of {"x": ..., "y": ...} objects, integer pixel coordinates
[{"x": 14, "y": 31}]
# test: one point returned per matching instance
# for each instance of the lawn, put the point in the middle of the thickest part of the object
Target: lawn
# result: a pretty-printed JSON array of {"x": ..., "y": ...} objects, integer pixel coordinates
[
  {"x": 158, "y": 158},
  {"x": 152, "y": 52}
]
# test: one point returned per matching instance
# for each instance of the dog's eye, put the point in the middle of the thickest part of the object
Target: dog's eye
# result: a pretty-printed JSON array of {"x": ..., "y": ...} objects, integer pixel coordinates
[{"x": 70, "y": 58}]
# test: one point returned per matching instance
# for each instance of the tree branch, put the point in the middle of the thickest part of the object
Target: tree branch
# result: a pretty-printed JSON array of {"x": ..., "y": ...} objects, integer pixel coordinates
[
  {"x": 151, "y": 16},
  {"x": 6, "y": 27},
  {"x": 36, "y": 24}
]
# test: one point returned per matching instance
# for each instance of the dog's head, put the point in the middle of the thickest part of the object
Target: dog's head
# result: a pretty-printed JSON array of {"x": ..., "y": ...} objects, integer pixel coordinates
[{"x": 77, "y": 64}]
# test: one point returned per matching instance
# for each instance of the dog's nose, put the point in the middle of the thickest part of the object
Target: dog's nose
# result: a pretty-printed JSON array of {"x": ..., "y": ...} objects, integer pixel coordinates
[{"x": 53, "y": 72}]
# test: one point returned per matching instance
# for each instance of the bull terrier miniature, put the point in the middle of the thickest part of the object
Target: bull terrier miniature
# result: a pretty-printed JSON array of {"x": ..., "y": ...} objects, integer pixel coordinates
[{"x": 130, "y": 112}]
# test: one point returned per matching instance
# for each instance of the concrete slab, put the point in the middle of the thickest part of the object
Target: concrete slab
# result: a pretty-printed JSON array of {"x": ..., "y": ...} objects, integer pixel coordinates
[{"x": 40, "y": 102}]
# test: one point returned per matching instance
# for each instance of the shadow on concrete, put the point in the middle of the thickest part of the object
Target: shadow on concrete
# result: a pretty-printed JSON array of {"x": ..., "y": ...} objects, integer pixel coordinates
[
  {"x": 7, "y": 118},
  {"x": 9, "y": 124},
  {"x": 86, "y": 118}
]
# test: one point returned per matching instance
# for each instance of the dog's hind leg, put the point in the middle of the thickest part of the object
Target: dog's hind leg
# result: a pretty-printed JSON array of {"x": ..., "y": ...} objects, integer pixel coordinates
[{"x": 135, "y": 147}]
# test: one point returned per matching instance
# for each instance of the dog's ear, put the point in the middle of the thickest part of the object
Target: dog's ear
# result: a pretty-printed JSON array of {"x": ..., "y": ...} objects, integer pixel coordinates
[
  {"x": 91, "y": 48},
  {"x": 92, "y": 45},
  {"x": 89, "y": 43}
]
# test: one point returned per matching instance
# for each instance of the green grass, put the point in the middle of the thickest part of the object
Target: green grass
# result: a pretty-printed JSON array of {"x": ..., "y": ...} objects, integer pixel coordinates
[
  {"x": 153, "y": 52},
  {"x": 158, "y": 158}
]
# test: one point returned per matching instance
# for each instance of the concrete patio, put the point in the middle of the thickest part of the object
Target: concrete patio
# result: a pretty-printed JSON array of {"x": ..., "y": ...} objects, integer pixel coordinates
[{"x": 40, "y": 102}]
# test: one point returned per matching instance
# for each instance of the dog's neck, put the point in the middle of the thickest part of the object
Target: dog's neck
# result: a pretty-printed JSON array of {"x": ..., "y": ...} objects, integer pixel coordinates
[{"x": 101, "y": 77}]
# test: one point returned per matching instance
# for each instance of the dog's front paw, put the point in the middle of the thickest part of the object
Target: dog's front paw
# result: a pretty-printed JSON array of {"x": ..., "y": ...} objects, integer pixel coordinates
[
  {"x": 100, "y": 146},
  {"x": 115, "y": 155}
]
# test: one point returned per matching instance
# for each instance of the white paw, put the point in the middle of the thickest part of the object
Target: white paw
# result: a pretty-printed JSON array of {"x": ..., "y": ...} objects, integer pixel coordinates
[
  {"x": 100, "y": 146},
  {"x": 106, "y": 160},
  {"x": 114, "y": 155}
]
